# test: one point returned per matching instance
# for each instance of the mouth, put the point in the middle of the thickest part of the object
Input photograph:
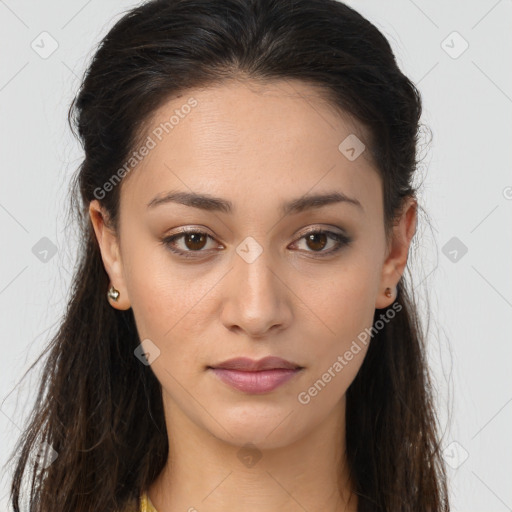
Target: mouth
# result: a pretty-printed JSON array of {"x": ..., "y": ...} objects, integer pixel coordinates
[{"x": 256, "y": 377}]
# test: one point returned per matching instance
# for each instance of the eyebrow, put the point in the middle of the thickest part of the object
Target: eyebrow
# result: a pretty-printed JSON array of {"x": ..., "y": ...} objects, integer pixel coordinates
[{"x": 210, "y": 203}]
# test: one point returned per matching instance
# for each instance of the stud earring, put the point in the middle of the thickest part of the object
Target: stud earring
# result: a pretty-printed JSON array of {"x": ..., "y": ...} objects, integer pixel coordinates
[
  {"x": 113, "y": 294},
  {"x": 388, "y": 293}
]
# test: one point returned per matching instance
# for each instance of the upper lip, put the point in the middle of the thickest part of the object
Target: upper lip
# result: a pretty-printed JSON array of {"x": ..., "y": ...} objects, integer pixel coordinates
[{"x": 248, "y": 365}]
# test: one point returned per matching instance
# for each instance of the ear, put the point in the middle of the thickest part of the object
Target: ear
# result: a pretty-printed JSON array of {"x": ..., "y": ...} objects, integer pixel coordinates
[
  {"x": 110, "y": 253},
  {"x": 397, "y": 253}
]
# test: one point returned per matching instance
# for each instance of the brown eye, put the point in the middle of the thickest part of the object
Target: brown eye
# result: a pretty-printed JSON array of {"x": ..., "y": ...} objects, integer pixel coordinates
[
  {"x": 316, "y": 241},
  {"x": 195, "y": 241},
  {"x": 188, "y": 244}
]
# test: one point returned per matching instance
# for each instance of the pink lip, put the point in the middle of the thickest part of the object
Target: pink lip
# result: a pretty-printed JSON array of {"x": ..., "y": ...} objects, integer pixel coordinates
[
  {"x": 251, "y": 365},
  {"x": 256, "y": 381},
  {"x": 254, "y": 376}
]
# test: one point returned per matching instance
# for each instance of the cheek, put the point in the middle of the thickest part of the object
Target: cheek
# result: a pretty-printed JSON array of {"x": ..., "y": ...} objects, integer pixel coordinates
[
  {"x": 169, "y": 302},
  {"x": 344, "y": 303},
  {"x": 344, "y": 308},
  {"x": 154, "y": 295}
]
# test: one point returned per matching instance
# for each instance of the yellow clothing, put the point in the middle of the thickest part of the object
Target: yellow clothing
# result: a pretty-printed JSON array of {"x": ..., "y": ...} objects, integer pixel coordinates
[{"x": 145, "y": 504}]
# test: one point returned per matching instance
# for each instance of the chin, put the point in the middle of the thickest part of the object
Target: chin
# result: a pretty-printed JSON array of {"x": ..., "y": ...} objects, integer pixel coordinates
[{"x": 271, "y": 432}]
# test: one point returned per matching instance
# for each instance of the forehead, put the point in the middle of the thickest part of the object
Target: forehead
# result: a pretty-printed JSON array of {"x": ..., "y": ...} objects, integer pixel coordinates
[{"x": 249, "y": 141}]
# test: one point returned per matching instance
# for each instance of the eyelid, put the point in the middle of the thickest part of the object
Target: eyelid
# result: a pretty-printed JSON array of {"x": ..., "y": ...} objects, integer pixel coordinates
[{"x": 323, "y": 229}]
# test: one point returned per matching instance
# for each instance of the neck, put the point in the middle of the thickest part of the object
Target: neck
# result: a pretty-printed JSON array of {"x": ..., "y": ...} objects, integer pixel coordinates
[{"x": 204, "y": 472}]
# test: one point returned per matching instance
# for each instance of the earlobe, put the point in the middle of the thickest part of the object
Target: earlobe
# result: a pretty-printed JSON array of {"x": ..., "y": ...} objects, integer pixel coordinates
[
  {"x": 396, "y": 260},
  {"x": 108, "y": 243}
]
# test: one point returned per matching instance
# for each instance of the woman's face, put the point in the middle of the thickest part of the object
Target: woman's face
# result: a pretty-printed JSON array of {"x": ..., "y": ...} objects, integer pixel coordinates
[{"x": 252, "y": 283}]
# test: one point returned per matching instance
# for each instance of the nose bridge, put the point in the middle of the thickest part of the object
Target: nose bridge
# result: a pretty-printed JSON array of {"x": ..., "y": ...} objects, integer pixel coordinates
[
  {"x": 254, "y": 264},
  {"x": 253, "y": 267},
  {"x": 256, "y": 300}
]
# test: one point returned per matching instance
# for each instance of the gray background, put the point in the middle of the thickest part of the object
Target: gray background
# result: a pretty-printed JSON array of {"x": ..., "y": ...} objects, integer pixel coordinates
[{"x": 466, "y": 190}]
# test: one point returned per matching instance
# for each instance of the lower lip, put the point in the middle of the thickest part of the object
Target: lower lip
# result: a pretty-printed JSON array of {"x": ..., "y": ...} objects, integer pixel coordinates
[{"x": 255, "y": 382}]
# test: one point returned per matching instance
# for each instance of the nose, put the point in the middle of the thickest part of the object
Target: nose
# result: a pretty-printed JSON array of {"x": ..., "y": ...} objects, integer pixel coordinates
[{"x": 257, "y": 299}]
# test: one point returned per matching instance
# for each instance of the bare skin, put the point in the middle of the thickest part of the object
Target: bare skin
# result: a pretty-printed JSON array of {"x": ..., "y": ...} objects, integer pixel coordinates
[{"x": 256, "y": 147}]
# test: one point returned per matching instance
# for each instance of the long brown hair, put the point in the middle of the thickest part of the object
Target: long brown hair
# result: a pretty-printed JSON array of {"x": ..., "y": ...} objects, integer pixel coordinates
[{"x": 98, "y": 407}]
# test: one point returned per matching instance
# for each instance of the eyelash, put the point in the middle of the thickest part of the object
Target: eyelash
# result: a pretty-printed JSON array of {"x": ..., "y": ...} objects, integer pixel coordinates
[{"x": 342, "y": 241}]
